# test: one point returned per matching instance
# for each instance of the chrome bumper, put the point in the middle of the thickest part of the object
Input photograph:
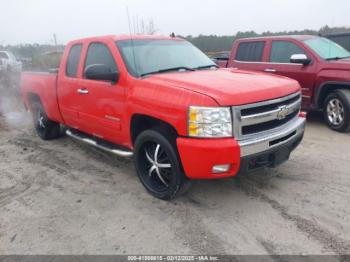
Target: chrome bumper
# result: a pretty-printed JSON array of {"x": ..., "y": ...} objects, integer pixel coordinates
[{"x": 260, "y": 143}]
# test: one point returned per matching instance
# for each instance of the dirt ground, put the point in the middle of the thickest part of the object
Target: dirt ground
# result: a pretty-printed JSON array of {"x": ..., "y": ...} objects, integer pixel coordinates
[{"x": 64, "y": 197}]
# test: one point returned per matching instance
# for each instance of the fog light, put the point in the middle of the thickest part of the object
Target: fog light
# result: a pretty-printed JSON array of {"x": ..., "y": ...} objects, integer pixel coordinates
[{"x": 217, "y": 169}]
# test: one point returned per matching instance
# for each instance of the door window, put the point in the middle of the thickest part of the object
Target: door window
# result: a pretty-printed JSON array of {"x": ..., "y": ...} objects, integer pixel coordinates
[
  {"x": 73, "y": 60},
  {"x": 250, "y": 51},
  {"x": 99, "y": 53},
  {"x": 281, "y": 51}
]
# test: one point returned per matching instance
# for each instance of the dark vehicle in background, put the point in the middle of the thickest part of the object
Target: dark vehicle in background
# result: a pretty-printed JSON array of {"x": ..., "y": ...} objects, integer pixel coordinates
[
  {"x": 221, "y": 58},
  {"x": 342, "y": 39},
  {"x": 321, "y": 66}
]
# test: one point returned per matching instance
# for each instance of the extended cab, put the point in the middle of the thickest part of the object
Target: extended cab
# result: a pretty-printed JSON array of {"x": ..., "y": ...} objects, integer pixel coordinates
[
  {"x": 321, "y": 67},
  {"x": 165, "y": 102}
]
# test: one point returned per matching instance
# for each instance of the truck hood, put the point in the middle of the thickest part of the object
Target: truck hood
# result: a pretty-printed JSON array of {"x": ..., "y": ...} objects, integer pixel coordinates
[{"x": 231, "y": 86}]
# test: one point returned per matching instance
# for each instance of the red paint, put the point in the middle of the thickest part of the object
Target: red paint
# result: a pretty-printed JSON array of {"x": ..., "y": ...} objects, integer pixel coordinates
[
  {"x": 198, "y": 156},
  {"x": 108, "y": 108},
  {"x": 310, "y": 77},
  {"x": 303, "y": 114}
]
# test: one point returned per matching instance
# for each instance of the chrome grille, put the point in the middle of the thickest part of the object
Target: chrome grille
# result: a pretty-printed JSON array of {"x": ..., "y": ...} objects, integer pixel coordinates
[{"x": 264, "y": 117}]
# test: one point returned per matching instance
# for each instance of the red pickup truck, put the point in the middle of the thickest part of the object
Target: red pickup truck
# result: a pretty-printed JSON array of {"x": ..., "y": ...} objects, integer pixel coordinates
[
  {"x": 165, "y": 102},
  {"x": 321, "y": 67}
]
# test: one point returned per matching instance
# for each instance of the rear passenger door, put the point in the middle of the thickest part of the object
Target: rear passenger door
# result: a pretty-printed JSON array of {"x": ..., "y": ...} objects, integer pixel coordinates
[
  {"x": 279, "y": 63},
  {"x": 68, "y": 83},
  {"x": 250, "y": 55}
]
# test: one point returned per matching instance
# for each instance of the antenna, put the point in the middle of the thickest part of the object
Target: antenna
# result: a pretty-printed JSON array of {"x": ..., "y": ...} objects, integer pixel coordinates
[
  {"x": 55, "y": 39},
  {"x": 132, "y": 40}
]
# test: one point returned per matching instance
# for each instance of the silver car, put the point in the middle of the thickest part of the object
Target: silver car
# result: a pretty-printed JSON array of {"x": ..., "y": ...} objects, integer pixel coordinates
[
  {"x": 9, "y": 62},
  {"x": 10, "y": 68}
]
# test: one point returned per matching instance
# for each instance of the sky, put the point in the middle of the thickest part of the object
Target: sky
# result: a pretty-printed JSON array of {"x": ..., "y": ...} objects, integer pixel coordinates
[{"x": 35, "y": 21}]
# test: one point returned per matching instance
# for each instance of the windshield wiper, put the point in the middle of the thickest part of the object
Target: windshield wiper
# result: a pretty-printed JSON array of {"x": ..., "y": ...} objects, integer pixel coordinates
[
  {"x": 337, "y": 58},
  {"x": 168, "y": 70},
  {"x": 206, "y": 66}
]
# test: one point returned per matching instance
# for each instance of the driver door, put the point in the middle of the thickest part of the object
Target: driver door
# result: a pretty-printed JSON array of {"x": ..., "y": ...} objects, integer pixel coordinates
[
  {"x": 279, "y": 63},
  {"x": 101, "y": 107}
]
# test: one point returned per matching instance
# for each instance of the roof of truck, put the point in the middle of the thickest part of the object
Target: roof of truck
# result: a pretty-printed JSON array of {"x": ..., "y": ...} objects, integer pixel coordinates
[
  {"x": 127, "y": 37},
  {"x": 298, "y": 37}
]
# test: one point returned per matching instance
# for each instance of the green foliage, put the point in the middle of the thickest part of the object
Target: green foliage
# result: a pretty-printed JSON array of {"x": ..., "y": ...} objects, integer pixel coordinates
[
  {"x": 46, "y": 61},
  {"x": 211, "y": 43},
  {"x": 33, "y": 54},
  {"x": 214, "y": 43}
]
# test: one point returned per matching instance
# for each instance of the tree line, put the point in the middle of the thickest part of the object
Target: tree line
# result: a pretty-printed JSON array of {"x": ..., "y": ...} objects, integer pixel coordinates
[
  {"x": 207, "y": 43},
  {"x": 215, "y": 43}
]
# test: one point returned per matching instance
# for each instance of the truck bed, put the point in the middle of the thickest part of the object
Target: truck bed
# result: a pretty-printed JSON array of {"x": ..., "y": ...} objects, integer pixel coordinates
[{"x": 45, "y": 84}]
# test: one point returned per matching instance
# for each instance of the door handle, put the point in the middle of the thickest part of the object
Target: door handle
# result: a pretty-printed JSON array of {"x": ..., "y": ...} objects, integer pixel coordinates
[
  {"x": 271, "y": 70},
  {"x": 83, "y": 91}
]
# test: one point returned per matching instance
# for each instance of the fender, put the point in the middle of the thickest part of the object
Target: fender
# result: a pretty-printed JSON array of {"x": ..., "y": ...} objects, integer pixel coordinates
[
  {"x": 164, "y": 101},
  {"x": 322, "y": 90}
]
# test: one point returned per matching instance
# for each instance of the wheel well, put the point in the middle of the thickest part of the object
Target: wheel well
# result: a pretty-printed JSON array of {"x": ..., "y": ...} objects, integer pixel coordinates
[
  {"x": 141, "y": 123},
  {"x": 328, "y": 88},
  {"x": 32, "y": 98}
]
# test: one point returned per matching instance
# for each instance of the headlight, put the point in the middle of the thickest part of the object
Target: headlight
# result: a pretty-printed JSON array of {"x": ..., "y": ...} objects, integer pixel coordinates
[{"x": 209, "y": 122}]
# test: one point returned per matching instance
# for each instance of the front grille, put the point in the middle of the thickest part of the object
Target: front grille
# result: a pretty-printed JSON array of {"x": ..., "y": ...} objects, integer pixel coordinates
[
  {"x": 282, "y": 139},
  {"x": 258, "y": 118},
  {"x": 251, "y": 129},
  {"x": 268, "y": 107}
]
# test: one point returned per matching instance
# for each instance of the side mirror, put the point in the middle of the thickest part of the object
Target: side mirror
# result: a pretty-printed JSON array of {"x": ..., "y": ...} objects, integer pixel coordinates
[
  {"x": 220, "y": 61},
  {"x": 221, "y": 58},
  {"x": 101, "y": 72},
  {"x": 300, "y": 59}
]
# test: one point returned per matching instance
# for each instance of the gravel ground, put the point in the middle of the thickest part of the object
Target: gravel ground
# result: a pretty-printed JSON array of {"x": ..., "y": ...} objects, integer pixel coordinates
[{"x": 64, "y": 197}]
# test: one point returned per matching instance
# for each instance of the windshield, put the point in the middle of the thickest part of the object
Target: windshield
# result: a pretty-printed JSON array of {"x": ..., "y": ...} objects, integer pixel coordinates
[
  {"x": 326, "y": 48},
  {"x": 155, "y": 56}
]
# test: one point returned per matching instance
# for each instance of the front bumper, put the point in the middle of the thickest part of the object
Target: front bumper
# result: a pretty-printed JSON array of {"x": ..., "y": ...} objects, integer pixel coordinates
[
  {"x": 274, "y": 139},
  {"x": 269, "y": 158},
  {"x": 198, "y": 156}
]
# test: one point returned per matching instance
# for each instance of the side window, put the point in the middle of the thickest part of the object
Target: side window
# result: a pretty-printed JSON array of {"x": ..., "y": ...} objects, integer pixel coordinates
[
  {"x": 73, "y": 60},
  {"x": 281, "y": 51},
  {"x": 250, "y": 51},
  {"x": 99, "y": 53}
]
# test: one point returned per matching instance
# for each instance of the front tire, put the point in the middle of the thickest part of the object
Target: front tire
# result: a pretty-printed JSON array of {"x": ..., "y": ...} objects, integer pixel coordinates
[
  {"x": 336, "y": 110},
  {"x": 158, "y": 165},
  {"x": 44, "y": 127}
]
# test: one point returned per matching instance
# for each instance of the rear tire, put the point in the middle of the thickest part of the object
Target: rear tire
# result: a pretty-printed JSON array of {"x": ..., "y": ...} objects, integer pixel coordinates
[
  {"x": 44, "y": 127},
  {"x": 158, "y": 165},
  {"x": 336, "y": 110}
]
